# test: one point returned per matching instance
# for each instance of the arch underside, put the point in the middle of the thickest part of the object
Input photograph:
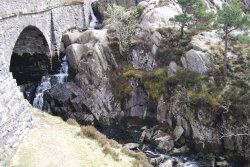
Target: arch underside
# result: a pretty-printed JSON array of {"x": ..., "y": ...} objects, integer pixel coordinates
[{"x": 30, "y": 57}]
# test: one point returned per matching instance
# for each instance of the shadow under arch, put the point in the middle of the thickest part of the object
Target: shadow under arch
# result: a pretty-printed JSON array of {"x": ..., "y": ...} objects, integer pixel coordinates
[{"x": 30, "y": 59}]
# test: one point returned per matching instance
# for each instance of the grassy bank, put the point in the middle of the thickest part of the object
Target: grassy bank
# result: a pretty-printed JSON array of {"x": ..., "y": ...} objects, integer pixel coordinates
[{"x": 55, "y": 143}]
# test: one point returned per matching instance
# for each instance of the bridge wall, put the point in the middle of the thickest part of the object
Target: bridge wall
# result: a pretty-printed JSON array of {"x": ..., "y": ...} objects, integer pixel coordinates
[{"x": 15, "y": 112}]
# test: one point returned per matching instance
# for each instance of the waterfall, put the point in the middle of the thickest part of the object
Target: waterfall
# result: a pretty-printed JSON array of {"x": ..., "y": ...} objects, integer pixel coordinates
[
  {"x": 49, "y": 81},
  {"x": 94, "y": 22},
  {"x": 89, "y": 14}
]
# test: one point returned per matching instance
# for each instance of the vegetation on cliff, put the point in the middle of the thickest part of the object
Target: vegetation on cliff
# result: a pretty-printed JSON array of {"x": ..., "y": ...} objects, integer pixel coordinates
[{"x": 226, "y": 96}]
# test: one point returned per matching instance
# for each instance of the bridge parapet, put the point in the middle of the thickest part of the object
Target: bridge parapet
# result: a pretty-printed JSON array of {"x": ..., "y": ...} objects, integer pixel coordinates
[{"x": 21, "y": 7}]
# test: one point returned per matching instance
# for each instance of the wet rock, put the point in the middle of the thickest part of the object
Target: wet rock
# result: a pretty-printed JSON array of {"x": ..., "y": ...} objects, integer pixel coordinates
[
  {"x": 146, "y": 135},
  {"x": 181, "y": 150},
  {"x": 131, "y": 146},
  {"x": 68, "y": 103},
  {"x": 222, "y": 164},
  {"x": 157, "y": 161},
  {"x": 165, "y": 143},
  {"x": 168, "y": 163},
  {"x": 29, "y": 91},
  {"x": 178, "y": 131},
  {"x": 180, "y": 164}
]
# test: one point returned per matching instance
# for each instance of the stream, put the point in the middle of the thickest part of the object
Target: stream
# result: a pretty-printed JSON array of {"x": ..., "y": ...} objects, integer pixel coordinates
[{"x": 48, "y": 81}]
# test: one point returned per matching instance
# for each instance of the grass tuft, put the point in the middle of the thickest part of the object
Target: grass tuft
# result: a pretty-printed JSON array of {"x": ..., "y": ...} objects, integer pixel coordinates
[{"x": 73, "y": 122}]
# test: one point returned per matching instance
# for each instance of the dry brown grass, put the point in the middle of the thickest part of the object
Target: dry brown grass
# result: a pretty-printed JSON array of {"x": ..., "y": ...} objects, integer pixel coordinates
[
  {"x": 73, "y": 122},
  {"x": 142, "y": 160},
  {"x": 108, "y": 145},
  {"x": 107, "y": 149},
  {"x": 111, "y": 146},
  {"x": 61, "y": 147}
]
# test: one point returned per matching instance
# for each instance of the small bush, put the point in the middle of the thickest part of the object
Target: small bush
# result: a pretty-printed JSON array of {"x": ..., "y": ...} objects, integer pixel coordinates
[
  {"x": 114, "y": 144},
  {"x": 241, "y": 84},
  {"x": 154, "y": 83},
  {"x": 203, "y": 97},
  {"x": 121, "y": 87},
  {"x": 133, "y": 73},
  {"x": 89, "y": 131},
  {"x": 108, "y": 150},
  {"x": 92, "y": 132},
  {"x": 172, "y": 47},
  {"x": 217, "y": 49},
  {"x": 185, "y": 78},
  {"x": 141, "y": 159}
]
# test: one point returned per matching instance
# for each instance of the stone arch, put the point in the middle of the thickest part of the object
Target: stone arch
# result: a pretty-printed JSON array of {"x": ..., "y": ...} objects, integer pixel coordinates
[{"x": 30, "y": 59}]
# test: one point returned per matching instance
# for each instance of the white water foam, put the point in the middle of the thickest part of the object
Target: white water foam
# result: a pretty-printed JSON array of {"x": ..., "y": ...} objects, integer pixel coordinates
[{"x": 48, "y": 82}]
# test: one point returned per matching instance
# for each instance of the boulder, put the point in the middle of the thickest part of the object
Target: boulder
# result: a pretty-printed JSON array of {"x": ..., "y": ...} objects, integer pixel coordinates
[
  {"x": 156, "y": 38},
  {"x": 172, "y": 68},
  {"x": 143, "y": 4},
  {"x": 197, "y": 61},
  {"x": 75, "y": 53},
  {"x": 146, "y": 135},
  {"x": 70, "y": 38},
  {"x": 154, "y": 49},
  {"x": 68, "y": 103},
  {"x": 181, "y": 150},
  {"x": 204, "y": 41},
  {"x": 131, "y": 146},
  {"x": 222, "y": 164},
  {"x": 165, "y": 143},
  {"x": 168, "y": 163},
  {"x": 154, "y": 18},
  {"x": 157, "y": 160}
]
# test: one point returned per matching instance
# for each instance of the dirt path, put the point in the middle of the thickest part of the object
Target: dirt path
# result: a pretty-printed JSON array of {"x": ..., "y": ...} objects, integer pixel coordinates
[{"x": 54, "y": 143}]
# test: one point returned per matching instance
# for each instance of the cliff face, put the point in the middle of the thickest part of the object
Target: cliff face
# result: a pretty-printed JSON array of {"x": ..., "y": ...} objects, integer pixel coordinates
[{"x": 174, "y": 83}]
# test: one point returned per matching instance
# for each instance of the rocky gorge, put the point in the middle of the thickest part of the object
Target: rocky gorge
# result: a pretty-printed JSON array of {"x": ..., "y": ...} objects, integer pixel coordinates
[{"x": 164, "y": 96}]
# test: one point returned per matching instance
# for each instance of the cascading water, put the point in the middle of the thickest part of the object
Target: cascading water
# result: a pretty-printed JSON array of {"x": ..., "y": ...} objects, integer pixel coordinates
[
  {"x": 94, "y": 21},
  {"x": 89, "y": 14},
  {"x": 49, "y": 81}
]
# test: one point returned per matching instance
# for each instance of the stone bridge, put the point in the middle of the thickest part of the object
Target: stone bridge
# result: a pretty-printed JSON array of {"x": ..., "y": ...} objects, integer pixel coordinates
[{"x": 28, "y": 26}]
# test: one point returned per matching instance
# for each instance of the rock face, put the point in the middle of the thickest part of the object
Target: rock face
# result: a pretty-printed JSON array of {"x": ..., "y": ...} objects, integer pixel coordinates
[
  {"x": 91, "y": 60},
  {"x": 142, "y": 59},
  {"x": 68, "y": 103},
  {"x": 136, "y": 106},
  {"x": 202, "y": 136},
  {"x": 75, "y": 53},
  {"x": 90, "y": 98}
]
